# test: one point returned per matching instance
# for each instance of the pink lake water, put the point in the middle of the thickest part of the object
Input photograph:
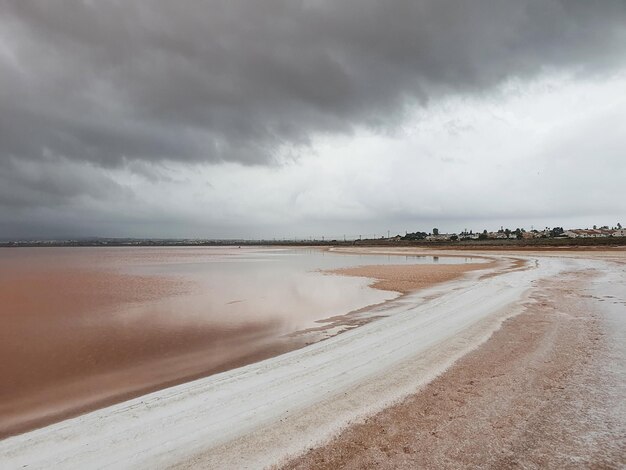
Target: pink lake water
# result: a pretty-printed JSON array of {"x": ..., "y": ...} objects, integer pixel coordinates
[{"x": 81, "y": 328}]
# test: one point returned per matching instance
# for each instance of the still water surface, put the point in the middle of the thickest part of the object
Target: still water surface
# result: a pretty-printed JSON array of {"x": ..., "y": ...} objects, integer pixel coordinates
[{"x": 84, "y": 327}]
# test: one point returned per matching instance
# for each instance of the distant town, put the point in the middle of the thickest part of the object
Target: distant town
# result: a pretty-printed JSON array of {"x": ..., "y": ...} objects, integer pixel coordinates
[
  {"x": 504, "y": 236},
  {"x": 519, "y": 234}
]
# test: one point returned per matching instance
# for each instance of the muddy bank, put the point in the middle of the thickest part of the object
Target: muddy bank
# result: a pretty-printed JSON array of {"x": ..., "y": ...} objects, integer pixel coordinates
[{"x": 405, "y": 279}]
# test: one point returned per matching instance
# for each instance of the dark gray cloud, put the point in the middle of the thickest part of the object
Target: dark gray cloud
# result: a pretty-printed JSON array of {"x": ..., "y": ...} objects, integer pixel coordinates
[
  {"x": 54, "y": 182},
  {"x": 208, "y": 81}
]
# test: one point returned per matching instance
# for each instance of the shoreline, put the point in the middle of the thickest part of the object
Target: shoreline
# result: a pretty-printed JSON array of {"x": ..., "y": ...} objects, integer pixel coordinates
[
  {"x": 541, "y": 392},
  {"x": 402, "y": 279}
]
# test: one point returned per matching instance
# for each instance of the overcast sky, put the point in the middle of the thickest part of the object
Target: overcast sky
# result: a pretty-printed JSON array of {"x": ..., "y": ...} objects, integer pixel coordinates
[{"x": 285, "y": 118}]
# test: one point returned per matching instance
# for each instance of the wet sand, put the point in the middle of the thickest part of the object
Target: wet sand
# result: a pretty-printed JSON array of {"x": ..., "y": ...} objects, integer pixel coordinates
[
  {"x": 545, "y": 391},
  {"x": 405, "y": 279}
]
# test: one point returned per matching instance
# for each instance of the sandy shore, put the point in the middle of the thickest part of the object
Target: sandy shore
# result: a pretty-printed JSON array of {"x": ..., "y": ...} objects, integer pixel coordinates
[
  {"x": 405, "y": 279},
  {"x": 546, "y": 391}
]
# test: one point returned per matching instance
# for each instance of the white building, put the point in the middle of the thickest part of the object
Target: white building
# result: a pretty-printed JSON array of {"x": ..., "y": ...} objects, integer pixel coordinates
[
  {"x": 440, "y": 237},
  {"x": 587, "y": 233}
]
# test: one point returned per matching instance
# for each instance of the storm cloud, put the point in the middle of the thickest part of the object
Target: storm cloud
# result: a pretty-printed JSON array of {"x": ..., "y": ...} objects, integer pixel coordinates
[
  {"x": 98, "y": 86},
  {"x": 232, "y": 80}
]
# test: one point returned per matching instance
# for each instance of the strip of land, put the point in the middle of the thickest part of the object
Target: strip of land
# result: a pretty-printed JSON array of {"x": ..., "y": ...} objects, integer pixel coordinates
[
  {"x": 546, "y": 391},
  {"x": 410, "y": 278}
]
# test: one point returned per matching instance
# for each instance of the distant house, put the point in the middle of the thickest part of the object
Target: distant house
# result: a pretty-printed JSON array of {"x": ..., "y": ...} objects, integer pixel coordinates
[
  {"x": 572, "y": 234},
  {"x": 588, "y": 233},
  {"x": 439, "y": 238},
  {"x": 621, "y": 232}
]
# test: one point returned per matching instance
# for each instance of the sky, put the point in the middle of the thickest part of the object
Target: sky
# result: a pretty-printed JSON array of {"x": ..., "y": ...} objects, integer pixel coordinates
[{"x": 310, "y": 118}]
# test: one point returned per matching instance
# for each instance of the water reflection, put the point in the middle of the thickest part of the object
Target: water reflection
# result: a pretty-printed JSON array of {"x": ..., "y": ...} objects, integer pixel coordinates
[{"x": 84, "y": 327}]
